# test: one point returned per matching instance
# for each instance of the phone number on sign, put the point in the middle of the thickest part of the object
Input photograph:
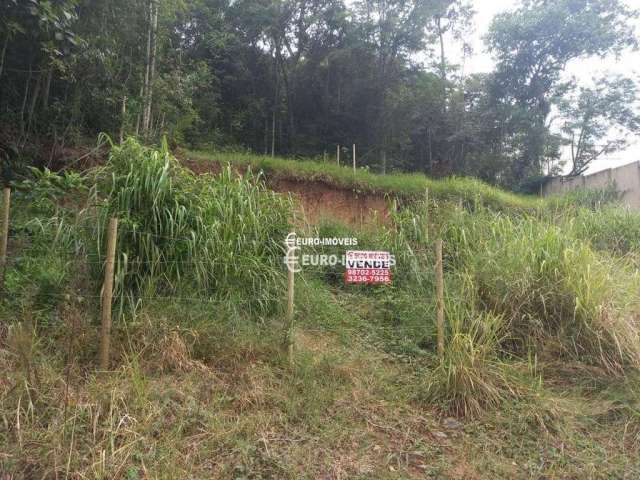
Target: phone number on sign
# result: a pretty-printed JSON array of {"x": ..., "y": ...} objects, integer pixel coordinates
[{"x": 367, "y": 276}]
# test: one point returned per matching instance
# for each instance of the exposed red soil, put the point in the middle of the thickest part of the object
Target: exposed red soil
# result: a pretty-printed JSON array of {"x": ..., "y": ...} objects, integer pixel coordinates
[
  {"x": 319, "y": 200},
  {"x": 54, "y": 155}
]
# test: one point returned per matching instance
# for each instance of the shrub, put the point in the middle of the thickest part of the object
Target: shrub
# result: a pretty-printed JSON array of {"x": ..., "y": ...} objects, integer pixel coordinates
[
  {"x": 215, "y": 236},
  {"x": 551, "y": 288},
  {"x": 470, "y": 377}
]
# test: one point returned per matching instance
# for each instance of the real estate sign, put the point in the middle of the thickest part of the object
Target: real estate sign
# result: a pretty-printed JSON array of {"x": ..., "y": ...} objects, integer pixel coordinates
[{"x": 368, "y": 267}]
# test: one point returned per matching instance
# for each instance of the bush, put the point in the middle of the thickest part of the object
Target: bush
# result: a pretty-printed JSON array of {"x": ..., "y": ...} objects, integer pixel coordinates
[
  {"x": 215, "y": 236},
  {"x": 551, "y": 288}
]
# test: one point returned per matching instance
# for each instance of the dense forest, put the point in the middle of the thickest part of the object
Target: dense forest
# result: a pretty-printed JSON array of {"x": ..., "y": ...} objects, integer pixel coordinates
[{"x": 298, "y": 77}]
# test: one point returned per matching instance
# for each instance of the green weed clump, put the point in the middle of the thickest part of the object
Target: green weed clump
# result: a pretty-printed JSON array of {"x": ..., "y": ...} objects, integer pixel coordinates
[
  {"x": 591, "y": 198},
  {"x": 554, "y": 291},
  {"x": 216, "y": 236},
  {"x": 610, "y": 229},
  {"x": 470, "y": 377}
]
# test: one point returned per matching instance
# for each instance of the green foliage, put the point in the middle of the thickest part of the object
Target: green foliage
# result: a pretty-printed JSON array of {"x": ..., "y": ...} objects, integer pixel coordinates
[
  {"x": 532, "y": 46},
  {"x": 187, "y": 71},
  {"x": 47, "y": 184},
  {"x": 550, "y": 287},
  {"x": 591, "y": 113},
  {"x": 471, "y": 378},
  {"x": 469, "y": 190},
  {"x": 526, "y": 279},
  {"x": 609, "y": 229},
  {"x": 589, "y": 198},
  {"x": 216, "y": 236},
  {"x": 41, "y": 270}
]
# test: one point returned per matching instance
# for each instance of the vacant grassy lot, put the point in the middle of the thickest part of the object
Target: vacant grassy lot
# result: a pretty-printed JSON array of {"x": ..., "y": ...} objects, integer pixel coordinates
[{"x": 539, "y": 377}]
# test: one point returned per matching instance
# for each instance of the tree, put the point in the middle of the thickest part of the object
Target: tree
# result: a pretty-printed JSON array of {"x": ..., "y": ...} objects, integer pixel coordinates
[
  {"x": 38, "y": 37},
  {"x": 297, "y": 77},
  {"x": 452, "y": 17},
  {"x": 394, "y": 29},
  {"x": 532, "y": 46},
  {"x": 150, "y": 66},
  {"x": 598, "y": 120}
]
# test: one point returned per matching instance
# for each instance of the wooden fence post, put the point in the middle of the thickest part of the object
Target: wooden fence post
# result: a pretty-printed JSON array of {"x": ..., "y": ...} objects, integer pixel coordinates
[
  {"x": 426, "y": 213},
  {"x": 338, "y": 154},
  {"x": 439, "y": 298},
  {"x": 290, "y": 286},
  {"x": 123, "y": 115},
  {"x": 6, "y": 199},
  {"x": 354, "y": 158},
  {"x": 291, "y": 268},
  {"x": 107, "y": 294}
]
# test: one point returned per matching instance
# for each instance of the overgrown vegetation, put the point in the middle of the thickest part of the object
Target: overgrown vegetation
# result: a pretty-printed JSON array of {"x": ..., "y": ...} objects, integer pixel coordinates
[
  {"x": 542, "y": 344},
  {"x": 301, "y": 78},
  {"x": 215, "y": 236},
  {"x": 466, "y": 189}
]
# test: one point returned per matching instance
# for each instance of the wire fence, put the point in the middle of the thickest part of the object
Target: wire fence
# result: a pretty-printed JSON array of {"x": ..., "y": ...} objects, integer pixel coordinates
[{"x": 109, "y": 257}]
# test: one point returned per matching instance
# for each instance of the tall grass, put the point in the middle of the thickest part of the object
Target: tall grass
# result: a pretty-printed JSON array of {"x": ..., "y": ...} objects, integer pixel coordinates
[
  {"x": 471, "y": 377},
  {"x": 212, "y": 236},
  {"x": 610, "y": 229},
  {"x": 524, "y": 277},
  {"x": 592, "y": 198},
  {"x": 552, "y": 288}
]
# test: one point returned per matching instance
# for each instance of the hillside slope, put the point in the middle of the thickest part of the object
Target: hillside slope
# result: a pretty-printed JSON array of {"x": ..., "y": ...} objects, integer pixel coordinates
[
  {"x": 327, "y": 190},
  {"x": 539, "y": 378}
]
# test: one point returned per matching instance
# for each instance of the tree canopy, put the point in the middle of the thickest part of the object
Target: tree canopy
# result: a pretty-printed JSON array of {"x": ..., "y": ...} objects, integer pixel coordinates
[{"x": 298, "y": 77}]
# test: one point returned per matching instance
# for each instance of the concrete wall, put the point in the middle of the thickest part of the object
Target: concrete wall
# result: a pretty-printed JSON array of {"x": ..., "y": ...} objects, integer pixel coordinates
[{"x": 626, "y": 179}]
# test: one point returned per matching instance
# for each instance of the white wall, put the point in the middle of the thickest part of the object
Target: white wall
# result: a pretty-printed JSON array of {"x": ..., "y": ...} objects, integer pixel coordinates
[{"x": 626, "y": 179}]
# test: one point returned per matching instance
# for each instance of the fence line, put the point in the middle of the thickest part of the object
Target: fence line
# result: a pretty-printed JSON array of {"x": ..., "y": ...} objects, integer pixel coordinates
[{"x": 110, "y": 258}]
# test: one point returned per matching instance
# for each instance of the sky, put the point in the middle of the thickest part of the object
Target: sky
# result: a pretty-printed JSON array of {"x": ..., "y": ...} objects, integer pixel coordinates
[{"x": 583, "y": 69}]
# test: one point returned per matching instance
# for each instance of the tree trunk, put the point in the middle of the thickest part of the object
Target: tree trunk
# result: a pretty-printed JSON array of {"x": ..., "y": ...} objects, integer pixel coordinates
[
  {"x": 139, "y": 113},
  {"x": 443, "y": 64},
  {"x": 276, "y": 96},
  {"x": 154, "y": 48},
  {"x": 273, "y": 134},
  {"x": 152, "y": 44},
  {"x": 34, "y": 101},
  {"x": 430, "y": 149},
  {"x": 47, "y": 89},
  {"x": 4, "y": 52},
  {"x": 145, "y": 85},
  {"x": 123, "y": 115},
  {"x": 24, "y": 101},
  {"x": 289, "y": 97},
  {"x": 266, "y": 136}
]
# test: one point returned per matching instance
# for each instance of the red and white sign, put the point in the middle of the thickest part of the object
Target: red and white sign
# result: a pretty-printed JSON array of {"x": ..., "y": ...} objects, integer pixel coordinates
[{"x": 368, "y": 267}]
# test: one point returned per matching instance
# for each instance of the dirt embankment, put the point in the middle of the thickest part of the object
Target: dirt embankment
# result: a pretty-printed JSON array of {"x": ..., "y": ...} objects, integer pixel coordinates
[{"x": 320, "y": 200}]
